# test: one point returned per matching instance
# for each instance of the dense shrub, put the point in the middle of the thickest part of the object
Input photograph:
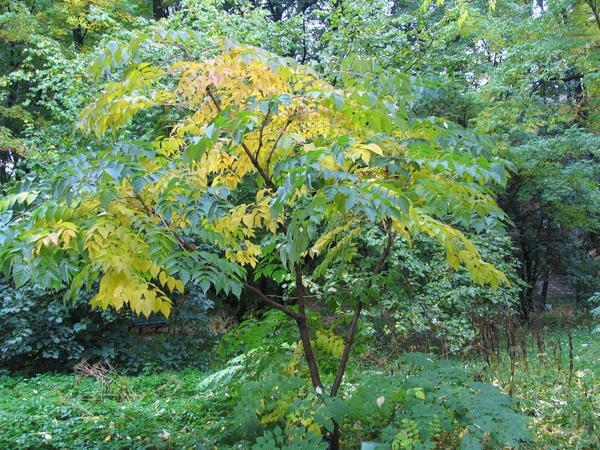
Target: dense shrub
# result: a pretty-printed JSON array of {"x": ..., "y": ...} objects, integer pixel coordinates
[
  {"x": 40, "y": 332},
  {"x": 427, "y": 404},
  {"x": 594, "y": 302},
  {"x": 582, "y": 275},
  {"x": 422, "y": 304}
]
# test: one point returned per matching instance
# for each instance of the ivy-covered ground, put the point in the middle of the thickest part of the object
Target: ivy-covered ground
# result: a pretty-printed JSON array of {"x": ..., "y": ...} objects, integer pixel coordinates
[{"x": 176, "y": 410}]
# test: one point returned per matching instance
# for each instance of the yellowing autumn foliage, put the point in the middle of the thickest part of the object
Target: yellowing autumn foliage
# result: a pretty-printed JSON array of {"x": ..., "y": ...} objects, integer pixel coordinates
[{"x": 259, "y": 149}]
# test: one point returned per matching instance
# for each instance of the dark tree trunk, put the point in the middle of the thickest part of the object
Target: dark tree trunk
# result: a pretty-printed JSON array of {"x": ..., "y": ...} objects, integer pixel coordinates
[
  {"x": 545, "y": 288},
  {"x": 159, "y": 11},
  {"x": 302, "y": 322},
  {"x": 79, "y": 36},
  {"x": 527, "y": 276}
]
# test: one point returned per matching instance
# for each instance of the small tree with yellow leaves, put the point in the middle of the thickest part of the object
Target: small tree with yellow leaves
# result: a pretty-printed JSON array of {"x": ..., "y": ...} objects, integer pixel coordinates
[{"x": 263, "y": 167}]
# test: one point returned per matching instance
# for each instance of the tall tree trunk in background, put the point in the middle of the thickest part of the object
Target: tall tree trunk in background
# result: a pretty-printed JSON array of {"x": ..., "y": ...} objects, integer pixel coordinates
[
  {"x": 545, "y": 283},
  {"x": 527, "y": 276},
  {"x": 159, "y": 11},
  {"x": 79, "y": 36}
]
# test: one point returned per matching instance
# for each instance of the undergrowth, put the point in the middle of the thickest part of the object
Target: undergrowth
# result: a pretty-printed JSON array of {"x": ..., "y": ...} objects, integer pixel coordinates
[
  {"x": 563, "y": 403},
  {"x": 181, "y": 410}
]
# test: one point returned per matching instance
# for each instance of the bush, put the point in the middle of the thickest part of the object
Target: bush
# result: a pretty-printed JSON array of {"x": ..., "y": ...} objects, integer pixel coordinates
[
  {"x": 428, "y": 404},
  {"x": 594, "y": 302},
  {"x": 581, "y": 273},
  {"x": 433, "y": 404},
  {"x": 266, "y": 400},
  {"x": 426, "y": 306},
  {"x": 41, "y": 332}
]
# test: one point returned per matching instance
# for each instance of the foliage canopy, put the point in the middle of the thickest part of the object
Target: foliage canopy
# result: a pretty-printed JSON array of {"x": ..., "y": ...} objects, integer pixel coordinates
[{"x": 258, "y": 149}]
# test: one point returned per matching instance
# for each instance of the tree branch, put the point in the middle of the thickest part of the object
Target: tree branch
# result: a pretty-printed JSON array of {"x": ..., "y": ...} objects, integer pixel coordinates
[
  {"x": 260, "y": 134},
  {"x": 304, "y": 330},
  {"x": 262, "y": 173},
  {"x": 357, "y": 310},
  {"x": 268, "y": 163},
  {"x": 152, "y": 212},
  {"x": 592, "y": 5},
  {"x": 286, "y": 310}
]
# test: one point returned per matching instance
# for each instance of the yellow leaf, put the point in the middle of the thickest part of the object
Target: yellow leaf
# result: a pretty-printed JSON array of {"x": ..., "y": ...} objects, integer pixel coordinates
[
  {"x": 171, "y": 283},
  {"x": 53, "y": 237},
  {"x": 165, "y": 308},
  {"x": 327, "y": 163},
  {"x": 419, "y": 394},
  {"x": 366, "y": 156},
  {"x": 374, "y": 148},
  {"x": 145, "y": 308},
  {"x": 179, "y": 286},
  {"x": 154, "y": 270},
  {"x": 248, "y": 220}
]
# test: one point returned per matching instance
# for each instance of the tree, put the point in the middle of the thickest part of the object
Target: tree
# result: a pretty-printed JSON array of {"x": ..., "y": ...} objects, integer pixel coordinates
[
  {"x": 83, "y": 17},
  {"x": 554, "y": 203},
  {"x": 541, "y": 100},
  {"x": 264, "y": 172}
]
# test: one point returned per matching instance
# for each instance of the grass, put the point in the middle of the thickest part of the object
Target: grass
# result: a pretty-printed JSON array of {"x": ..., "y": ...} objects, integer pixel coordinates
[
  {"x": 169, "y": 410},
  {"x": 66, "y": 411}
]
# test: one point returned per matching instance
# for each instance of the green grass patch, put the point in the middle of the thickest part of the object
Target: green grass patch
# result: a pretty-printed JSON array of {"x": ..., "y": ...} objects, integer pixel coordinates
[{"x": 68, "y": 411}]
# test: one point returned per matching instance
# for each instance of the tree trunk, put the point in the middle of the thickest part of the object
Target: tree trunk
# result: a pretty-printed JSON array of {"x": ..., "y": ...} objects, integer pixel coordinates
[
  {"x": 158, "y": 10},
  {"x": 311, "y": 360},
  {"x": 302, "y": 322},
  {"x": 79, "y": 36},
  {"x": 545, "y": 288}
]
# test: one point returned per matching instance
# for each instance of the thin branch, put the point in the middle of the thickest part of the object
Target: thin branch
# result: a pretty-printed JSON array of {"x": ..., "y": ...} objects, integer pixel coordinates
[
  {"x": 179, "y": 239},
  {"x": 261, "y": 131},
  {"x": 347, "y": 347},
  {"x": 287, "y": 123},
  {"x": 300, "y": 290},
  {"x": 214, "y": 100},
  {"x": 287, "y": 297},
  {"x": 358, "y": 309},
  {"x": 386, "y": 252},
  {"x": 261, "y": 171},
  {"x": 595, "y": 12},
  {"x": 152, "y": 212},
  {"x": 290, "y": 312},
  {"x": 410, "y": 66}
]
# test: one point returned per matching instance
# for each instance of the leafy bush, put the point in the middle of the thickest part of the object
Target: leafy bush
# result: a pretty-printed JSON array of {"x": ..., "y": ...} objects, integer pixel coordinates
[
  {"x": 434, "y": 403},
  {"x": 594, "y": 302},
  {"x": 429, "y": 404},
  {"x": 40, "y": 332},
  {"x": 433, "y": 302},
  {"x": 422, "y": 304},
  {"x": 270, "y": 332},
  {"x": 581, "y": 273},
  {"x": 424, "y": 404}
]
